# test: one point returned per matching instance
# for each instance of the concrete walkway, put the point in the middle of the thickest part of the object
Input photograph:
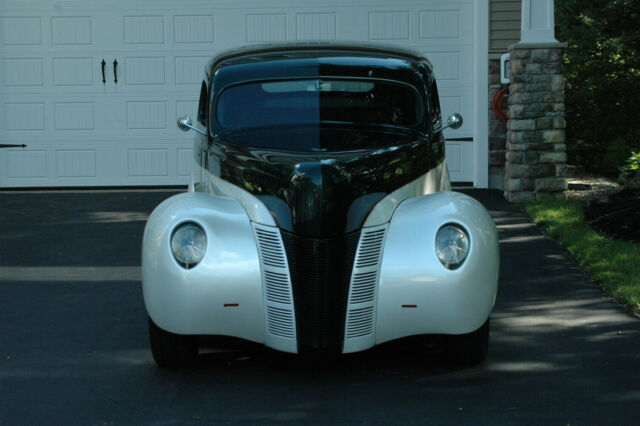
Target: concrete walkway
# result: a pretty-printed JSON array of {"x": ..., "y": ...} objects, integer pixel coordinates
[{"x": 73, "y": 343}]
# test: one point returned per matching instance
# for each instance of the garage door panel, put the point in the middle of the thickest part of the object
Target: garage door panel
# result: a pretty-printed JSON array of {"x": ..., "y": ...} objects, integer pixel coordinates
[
  {"x": 84, "y": 132},
  {"x": 72, "y": 30},
  {"x": 459, "y": 154},
  {"x": 81, "y": 74},
  {"x": 148, "y": 162},
  {"x": 81, "y": 119},
  {"x": 53, "y": 30},
  {"x": 455, "y": 100},
  {"x": 229, "y": 28},
  {"x": 27, "y": 164},
  {"x": 52, "y": 73},
  {"x": 190, "y": 29},
  {"x": 446, "y": 22},
  {"x": 185, "y": 164},
  {"x": 452, "y": 67},
  {"x": 190, "y": 69},
  {"x": 189, "y": 108},
  {"x": 141, "y": 29},
  {"x": 21, "y": 31},
  {"x": 316, "y": 26},
  {"x": 146, "y": 115},
  {"x": 459, "y": 161},
  {"x": 18, "y": 72},
  {"x": 390, "y": 25},
  {"x": 73, "y": 72},
  {"x": 143, "y": 71},
  {"x": 76, "y": 163},
  {"x": 73, "y": 116},
  {"x": 70, "y": 165},
  {"x": 266, "y": 27},
  {"x": 440, "y": 24},
  {"x": 20, "y": 117}
]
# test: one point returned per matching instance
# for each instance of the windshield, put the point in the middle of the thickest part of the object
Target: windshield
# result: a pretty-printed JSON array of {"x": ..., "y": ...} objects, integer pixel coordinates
[{"x": 316, "y": 101}]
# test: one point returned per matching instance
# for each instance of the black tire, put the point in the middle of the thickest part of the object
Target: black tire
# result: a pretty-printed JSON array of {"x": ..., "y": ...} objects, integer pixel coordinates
[
  {"x": 468, "y": 349},
  {"x": 170, "y": 349}
]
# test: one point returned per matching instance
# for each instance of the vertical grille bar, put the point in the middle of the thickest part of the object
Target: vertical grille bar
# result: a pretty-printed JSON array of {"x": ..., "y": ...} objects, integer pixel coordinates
[
  {"x": 276, "y": 282},
  {"x": 320, "y": 273},
  {"x": 361, "y": 310}
]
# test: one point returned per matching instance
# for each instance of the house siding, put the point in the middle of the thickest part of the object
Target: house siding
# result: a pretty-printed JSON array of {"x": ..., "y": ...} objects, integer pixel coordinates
[{"x": 504, "y": 24}]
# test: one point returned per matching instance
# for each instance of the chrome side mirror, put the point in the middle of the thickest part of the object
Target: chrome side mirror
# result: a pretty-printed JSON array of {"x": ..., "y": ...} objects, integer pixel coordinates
[
  {"x": 185, "y": 124},
  {"x": 454, "y": 121}
]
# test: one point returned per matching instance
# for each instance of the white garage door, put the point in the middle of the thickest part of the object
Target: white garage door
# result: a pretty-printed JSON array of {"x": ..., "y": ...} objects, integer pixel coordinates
[{"x": 89, "y": 123}]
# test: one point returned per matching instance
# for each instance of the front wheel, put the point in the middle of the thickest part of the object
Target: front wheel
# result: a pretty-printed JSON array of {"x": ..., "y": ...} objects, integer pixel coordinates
[
  {"x": 170, "y": 349},
  {"x": 470, "y": 348}
]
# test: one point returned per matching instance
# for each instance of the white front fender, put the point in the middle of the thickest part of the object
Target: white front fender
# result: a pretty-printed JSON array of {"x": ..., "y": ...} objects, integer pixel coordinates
[
  {"x": 417, "y": 294},
  {"x": 223, "y": 293}
]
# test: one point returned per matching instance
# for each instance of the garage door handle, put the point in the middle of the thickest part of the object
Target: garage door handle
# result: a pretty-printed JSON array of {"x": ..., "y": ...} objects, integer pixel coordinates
[
  {"x": 469, "y": 139},
  {"x": 4, "y": 145},
  {"x": 115, "y": 71},
  {"x": 104, "y": 80}
]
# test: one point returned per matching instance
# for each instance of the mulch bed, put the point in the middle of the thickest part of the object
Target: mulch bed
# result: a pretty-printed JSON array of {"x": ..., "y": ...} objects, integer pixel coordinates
[{"x": 617, "y": 215}]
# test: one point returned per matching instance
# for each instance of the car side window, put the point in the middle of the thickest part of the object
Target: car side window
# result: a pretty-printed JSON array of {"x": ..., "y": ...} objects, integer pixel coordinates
[
  {"x": 203, "y": 105},
  {"x": 434, "y": 105}
]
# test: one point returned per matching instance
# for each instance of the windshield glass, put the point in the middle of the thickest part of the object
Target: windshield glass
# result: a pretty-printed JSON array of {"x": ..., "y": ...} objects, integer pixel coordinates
[{"x": 316, "y": 101}]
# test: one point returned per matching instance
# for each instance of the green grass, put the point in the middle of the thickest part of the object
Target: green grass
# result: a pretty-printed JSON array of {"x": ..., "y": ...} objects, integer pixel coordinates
[{"x": 613, "y": 264}]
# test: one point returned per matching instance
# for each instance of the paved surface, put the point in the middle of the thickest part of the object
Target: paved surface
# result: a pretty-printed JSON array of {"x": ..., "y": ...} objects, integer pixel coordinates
[{"x": 73, "y": 343}]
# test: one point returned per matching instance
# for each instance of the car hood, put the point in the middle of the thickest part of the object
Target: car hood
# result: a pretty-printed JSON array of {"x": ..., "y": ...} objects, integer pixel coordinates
[{"x": 324, "y": 194}]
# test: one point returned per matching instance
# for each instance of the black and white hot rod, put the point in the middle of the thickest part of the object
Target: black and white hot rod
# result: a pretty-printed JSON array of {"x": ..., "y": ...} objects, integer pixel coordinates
[{"x": 320, "y": 216}]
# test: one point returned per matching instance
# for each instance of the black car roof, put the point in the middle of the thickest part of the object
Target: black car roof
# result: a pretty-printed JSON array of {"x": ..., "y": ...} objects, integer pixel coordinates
[
  {"x": 390, "y": 60},
  {"x": 353, "y": 47}
]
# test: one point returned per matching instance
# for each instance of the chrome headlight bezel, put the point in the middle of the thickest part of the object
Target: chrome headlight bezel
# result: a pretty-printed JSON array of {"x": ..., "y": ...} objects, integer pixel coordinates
[
  {"x": 188, "y": 244},
  {"x": 452, "y": 249}
]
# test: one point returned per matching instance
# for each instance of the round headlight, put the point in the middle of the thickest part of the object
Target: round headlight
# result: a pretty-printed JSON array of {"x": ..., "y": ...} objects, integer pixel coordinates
[
  {"x": 452, "y": 245},
  {"x": 188, "y": 244}
]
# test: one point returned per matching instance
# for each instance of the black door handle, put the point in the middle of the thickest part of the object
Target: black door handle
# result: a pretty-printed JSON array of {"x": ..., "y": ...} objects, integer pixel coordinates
[
  {"x": 104, "y": 80},
  {"x": 115, "y": 71}
]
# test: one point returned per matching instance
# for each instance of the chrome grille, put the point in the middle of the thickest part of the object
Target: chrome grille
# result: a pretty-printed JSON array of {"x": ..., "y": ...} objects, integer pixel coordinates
[
  {"x": 363, "y": 287},
  {"x": 360, "y": 322},
  {"x": 277, "y": 287},
  {"x": 369, "y": 248},
  {"x": 320, "y": 276},
  {"x": 276, "y": 281},
  {"x": 361, "y": 309},
  {"x": 271, "y": 252},
  {"x": 280, "y": 321}
]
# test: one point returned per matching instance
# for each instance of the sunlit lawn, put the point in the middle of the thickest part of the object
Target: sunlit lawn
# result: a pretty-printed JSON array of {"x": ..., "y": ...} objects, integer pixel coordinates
[{"x": 613, "y": 264}]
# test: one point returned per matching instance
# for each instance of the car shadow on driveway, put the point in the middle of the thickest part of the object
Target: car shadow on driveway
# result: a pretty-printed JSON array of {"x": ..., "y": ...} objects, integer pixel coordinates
[{"x": 74, "y": 349}]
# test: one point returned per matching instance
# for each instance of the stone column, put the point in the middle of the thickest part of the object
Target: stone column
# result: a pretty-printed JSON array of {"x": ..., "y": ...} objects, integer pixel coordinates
[{"x": 536, "y": 155}]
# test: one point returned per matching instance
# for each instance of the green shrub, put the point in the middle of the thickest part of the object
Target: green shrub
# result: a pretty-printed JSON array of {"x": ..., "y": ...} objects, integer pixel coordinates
[
  {"x": 602, "y": 72},
  {"x": 630, "y": 172}
]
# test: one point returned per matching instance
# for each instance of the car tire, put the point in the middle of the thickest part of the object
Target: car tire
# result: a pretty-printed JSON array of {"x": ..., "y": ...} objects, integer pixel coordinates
[
  {"x": 468, "y": 349},
  {"x": 170, "y": 349}
]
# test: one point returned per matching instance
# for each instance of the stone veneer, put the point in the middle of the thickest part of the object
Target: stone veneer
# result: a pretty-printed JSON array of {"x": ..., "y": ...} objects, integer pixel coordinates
[{"x": 536, "y": 154}]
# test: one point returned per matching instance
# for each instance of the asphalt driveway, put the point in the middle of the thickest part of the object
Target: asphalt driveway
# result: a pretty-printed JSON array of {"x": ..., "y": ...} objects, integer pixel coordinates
[{"x": 73, "y": 342}]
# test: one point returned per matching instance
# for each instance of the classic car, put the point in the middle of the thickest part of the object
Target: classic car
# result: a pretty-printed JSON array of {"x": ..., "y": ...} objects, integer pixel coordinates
[{"x": 320, "y": 217}]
